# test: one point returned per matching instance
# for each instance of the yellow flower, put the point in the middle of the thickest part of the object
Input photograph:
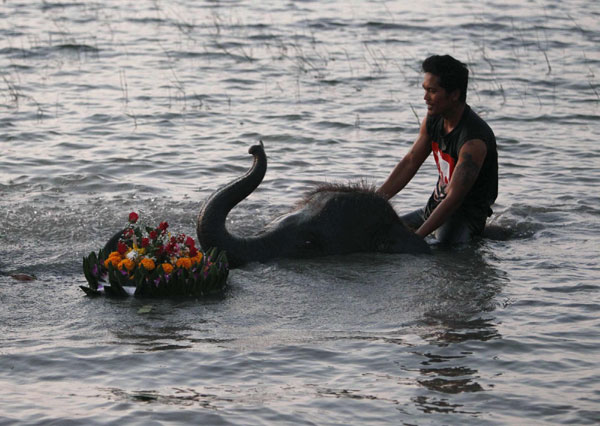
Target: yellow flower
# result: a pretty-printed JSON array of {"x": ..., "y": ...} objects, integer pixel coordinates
[
  {"x": 167, "y": 268},
  {"x": 184, "y": 262},
  {"x": 127, "y": 264},
  {"x": 148, "y": 264}
]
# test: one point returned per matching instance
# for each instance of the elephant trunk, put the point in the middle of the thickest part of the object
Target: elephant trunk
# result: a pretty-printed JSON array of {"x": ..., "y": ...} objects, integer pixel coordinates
[{"x": 211, "y": 228}]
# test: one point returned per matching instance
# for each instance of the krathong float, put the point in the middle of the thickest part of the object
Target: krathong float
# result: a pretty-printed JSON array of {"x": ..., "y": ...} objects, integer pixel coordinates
[{"x": 151, "y": 262}]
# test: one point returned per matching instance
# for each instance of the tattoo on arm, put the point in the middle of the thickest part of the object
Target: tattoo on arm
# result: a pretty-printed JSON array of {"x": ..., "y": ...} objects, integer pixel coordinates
[{"x": 467, "y": 171}]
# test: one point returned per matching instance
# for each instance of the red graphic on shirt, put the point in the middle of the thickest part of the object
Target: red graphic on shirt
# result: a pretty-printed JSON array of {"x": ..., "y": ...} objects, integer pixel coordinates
[{"x": 445, "y": 163}]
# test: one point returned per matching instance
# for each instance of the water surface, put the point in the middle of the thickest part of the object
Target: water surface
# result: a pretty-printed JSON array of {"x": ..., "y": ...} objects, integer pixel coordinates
[{"x": 150, "y": 106}]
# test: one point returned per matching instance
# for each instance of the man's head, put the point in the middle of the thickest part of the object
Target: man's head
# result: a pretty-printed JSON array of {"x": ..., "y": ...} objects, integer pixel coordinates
[{"x": 452, "y": 74}]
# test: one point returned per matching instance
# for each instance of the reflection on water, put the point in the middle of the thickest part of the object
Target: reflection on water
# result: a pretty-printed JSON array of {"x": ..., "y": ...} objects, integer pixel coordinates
[
  {"x": 451, "y": 381},
  {"x": 461, "y": 331},
  {"x": 466, "y": 286},
  {"x": 179, "y": 397},
  {"x": 431, "y": 405}
]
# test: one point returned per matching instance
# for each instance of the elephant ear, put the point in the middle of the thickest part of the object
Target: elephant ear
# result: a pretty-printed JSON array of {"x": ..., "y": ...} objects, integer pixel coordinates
[{"x": 402, "y": 240}]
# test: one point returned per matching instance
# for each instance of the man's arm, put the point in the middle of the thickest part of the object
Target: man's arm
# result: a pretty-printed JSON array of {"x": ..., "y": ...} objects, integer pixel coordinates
[
  {"x": 406, "y": 169},
  {"x": 470, "y": 160}
]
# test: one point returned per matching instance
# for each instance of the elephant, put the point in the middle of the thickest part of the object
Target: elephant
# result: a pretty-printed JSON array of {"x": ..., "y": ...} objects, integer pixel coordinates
[{"x": 333, "y": 219}]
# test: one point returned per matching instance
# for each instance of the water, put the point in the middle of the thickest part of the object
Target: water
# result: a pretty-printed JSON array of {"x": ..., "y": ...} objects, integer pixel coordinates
[{"x": 149, "y": 106}]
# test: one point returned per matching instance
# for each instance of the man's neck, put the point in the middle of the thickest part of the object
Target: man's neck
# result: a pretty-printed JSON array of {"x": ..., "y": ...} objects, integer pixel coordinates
[{"x": 452, "y": 117}]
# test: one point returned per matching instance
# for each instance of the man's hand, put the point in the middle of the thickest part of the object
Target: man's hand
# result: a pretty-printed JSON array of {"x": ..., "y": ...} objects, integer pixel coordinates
[{"x": 470, "y": 160}]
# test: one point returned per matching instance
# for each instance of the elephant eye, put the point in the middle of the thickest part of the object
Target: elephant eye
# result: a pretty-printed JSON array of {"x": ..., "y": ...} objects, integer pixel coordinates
[{"x": 310, "y": 241}]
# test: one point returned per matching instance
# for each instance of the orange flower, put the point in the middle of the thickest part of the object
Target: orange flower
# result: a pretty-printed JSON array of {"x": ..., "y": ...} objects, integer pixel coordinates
[
  {"x": 114, "y": 258},
  {"x": 184, "y": 262},
  {"x": 148, "y": 264},
  {"x": 167, "y": 268},
  {"x": 197, "y": 259},
  {"x": 127, "y": 264}
]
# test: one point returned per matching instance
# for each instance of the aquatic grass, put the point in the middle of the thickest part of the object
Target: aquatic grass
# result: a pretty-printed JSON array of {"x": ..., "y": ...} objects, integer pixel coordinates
[
  {"x": 301, "y": 61},
  {"x": 14, "y": 94}
]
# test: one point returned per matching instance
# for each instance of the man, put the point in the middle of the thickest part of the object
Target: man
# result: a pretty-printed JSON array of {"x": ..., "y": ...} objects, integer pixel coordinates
[{"x": 464, "y": 149}]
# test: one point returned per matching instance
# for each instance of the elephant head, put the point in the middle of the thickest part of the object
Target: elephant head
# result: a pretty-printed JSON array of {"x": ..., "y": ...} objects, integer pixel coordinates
[{"x": 333, "y": 219}]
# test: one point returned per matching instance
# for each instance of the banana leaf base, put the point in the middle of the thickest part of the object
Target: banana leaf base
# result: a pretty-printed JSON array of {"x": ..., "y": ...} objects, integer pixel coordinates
[{"x": 208, "y": 278}]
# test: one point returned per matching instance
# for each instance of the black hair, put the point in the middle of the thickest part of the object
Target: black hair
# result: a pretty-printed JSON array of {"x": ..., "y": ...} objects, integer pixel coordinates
[{"x": 452, "y": 73}]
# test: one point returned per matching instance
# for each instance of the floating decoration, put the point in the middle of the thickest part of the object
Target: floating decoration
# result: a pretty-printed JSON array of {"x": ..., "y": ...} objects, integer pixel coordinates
[{"x": 151, "y": 262}]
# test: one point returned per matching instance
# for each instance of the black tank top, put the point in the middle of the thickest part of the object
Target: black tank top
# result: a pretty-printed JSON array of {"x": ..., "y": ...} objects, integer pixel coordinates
[{"x": 477, "y": 204}]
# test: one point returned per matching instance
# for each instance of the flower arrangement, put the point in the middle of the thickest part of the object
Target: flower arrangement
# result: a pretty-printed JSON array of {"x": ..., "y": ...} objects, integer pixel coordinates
[{"x": 150, "y": 261}]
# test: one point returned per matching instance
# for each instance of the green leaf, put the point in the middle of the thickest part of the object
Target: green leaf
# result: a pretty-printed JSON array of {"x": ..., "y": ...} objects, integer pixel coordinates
[
  {"x": 90, "y": 291},
  {"x": 88, "y": 263},
  {"x": 146, "y": 309}
]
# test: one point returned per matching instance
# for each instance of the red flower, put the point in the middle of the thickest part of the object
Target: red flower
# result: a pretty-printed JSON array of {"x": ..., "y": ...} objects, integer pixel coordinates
[
  {"x": 193, "y": 251},
  {"x": 163, "y": 226},
  {"x": 122, "y": 248},
  {"x": 133, "y": 217},
  {"x": 190, "y": 242},
  {"x": 128, "y": 233},
  {"x": 145, "y": 242},
  {"x": 172, "y": 248},
  {"x": 153, "y": 235}
]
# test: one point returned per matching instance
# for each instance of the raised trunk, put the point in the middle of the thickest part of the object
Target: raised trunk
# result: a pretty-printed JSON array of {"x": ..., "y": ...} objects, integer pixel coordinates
[{"x": 211, "y": 228}]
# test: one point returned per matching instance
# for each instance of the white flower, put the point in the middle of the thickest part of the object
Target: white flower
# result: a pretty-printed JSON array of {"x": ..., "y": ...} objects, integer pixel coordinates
[{"x": 132, "y": 255}]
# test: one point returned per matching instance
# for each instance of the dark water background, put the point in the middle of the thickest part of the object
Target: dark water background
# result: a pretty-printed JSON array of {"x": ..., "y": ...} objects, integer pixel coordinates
[{"x": 109, "y": 107}]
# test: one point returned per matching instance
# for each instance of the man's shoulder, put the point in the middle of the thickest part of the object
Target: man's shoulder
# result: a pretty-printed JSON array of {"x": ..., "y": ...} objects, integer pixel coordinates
[
  {"x": 476, "y": 127},
  {"x": 474, "y": 119},
  {"x": 433, "y": 124}
]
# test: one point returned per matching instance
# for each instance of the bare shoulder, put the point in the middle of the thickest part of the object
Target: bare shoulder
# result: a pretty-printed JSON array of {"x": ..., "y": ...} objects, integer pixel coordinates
[{"x": 474, "y": 150}]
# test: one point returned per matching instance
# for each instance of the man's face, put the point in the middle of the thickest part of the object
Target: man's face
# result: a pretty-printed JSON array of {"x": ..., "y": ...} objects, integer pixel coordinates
[{"x": 438, "y": 100}]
